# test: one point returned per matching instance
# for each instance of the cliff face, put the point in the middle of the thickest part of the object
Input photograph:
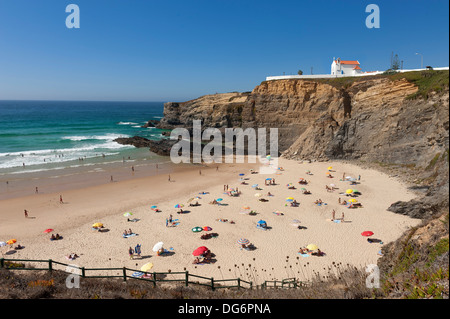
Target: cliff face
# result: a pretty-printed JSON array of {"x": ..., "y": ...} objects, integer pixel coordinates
[{"x": 372, "y": 120}]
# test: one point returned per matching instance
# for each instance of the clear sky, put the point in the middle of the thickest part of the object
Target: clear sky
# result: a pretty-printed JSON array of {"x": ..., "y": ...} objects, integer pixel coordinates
[{"x": 176, "y": 50}]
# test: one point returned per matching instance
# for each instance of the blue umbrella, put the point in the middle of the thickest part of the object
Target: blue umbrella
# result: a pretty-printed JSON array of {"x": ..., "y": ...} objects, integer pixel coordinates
[
  {"x": 219, "y": 199},
  {"x": 154, "y": 206},
  {"x": 289, "y": 200},
  {"x": 256, "y": 185},
  {"x": 241, "y": 174},
  {"x": 262, "y": 222},
  {"x": 268, "y": 179}
]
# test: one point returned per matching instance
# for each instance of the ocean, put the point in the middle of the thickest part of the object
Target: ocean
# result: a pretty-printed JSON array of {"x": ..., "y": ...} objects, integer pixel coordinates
[{"x": 40, "y": 136}]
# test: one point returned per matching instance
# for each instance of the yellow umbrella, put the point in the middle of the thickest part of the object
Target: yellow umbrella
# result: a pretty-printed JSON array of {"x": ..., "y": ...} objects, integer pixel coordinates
[
  {"x": 352, "y": 200},
  {"x": 147, "y": 267},
  {"x": 97, "y": 225},
  {"x": 312, "y": 247},
  {"x": 11, "y": 241},
  {"x": 329, "y": 168},
  {"x": 290, "y": 198},
  {"x": 349, "y": 191}
]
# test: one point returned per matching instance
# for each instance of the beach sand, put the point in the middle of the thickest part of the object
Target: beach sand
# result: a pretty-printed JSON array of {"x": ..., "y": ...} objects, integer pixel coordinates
[{"x": 276, "y": 254}]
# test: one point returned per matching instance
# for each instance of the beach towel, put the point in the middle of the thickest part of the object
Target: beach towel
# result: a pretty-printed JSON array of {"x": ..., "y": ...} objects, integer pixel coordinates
[
  {"x": 304, "y": 255},
  {"x": 137, "y": 274},
  {"x": 131, "y": 235},
  {"x": 337, "y": 221}
]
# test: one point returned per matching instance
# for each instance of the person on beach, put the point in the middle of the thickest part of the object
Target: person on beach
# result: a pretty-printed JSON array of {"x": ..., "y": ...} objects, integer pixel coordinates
[
  {"x": 37, "y": 190},
  {"x": 61, "y": 199},
  {"x": 131, "y": 252},
  {"x": 169, "y": 178},
  {"x": 111, "y": 179},
  {"x": 132, "y": 169},
  {"x": 342, "y": 217},
  {"x": 26, "y": 213},
  {"x": 333, "y": 214},
  {"x": 167, "y": 222}
]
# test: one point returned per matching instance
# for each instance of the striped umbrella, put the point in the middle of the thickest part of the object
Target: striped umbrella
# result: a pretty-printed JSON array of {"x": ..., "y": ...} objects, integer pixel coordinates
[
  {"x": 243, "y": 241},
  {"x": 179, "y": 205}
]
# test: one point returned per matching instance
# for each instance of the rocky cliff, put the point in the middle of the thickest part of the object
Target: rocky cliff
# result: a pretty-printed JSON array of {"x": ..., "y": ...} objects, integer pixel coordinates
[{"x": 394, "y": 121}]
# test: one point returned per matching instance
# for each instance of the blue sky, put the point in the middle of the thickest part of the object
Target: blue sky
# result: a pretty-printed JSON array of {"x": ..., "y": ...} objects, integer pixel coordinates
[{"x": 148, "y": 50}]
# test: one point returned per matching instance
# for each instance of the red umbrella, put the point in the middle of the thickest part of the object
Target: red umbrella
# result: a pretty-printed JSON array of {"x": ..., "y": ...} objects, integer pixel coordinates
[
  {"x": 207, "y": 228},
  {"x": 200, "y": 251},
  {"x": 367, "y": 233},
  {"x": 48, "y": 230}
]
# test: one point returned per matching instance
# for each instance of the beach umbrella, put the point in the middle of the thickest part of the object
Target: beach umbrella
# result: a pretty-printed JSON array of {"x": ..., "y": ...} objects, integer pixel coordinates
[
  {"x": 289, "y": 185},
  {"x": 303, "y": 189},
  {"x": 367, "y": 233},
  {"x": 242, "y": 174},
  {"x": 207, "y": 228},
  {"x": 197, "y": 229},
  {"x": 262, "y": 222},
  {"x": 243, "y": 241},
  {"x": 328, "y": 173},
  {"x": 268, "y": 179},
  {"x": 154, "y": 206},
  {"x": 2, "y": 244},
  {"x": 11, "y": 241},
  {"x": 127, "y": 214},
  {"x": 48, "y": 230},
  {"x": 179, "y": 205},
  {"x": 312, "y": 247},
  {"x": 352, "y": 200},
  {"x": 199, "y": 251},
  {"x": 147, "y": 267},
  {"x": 349, "y": 191},
  {"x": 246, "y": 207},
  {"x": 158, "y": 246},
  {"x": 97, "y": 225},
  {"x": 332, "y": 185},
  {"x": 330, "y": 168},
  {"x": 219, "y": 199},
  {"x": 258, "y": 195},
  {"x": 295, "y": 222},
  {"x": 254, "y": 186},
  {"x": 355, "y": 191}
]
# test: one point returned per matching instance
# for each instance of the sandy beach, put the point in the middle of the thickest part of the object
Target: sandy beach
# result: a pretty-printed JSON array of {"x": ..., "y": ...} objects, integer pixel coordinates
[{"x": 276, "y": 255}]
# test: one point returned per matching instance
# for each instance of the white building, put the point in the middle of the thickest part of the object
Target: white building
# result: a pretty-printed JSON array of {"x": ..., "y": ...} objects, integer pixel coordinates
[{"x": 342, "y": 67}]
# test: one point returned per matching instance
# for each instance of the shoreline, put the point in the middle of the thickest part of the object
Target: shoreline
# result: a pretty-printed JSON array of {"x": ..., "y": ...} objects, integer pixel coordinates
[{"x": 276, "y": 248}]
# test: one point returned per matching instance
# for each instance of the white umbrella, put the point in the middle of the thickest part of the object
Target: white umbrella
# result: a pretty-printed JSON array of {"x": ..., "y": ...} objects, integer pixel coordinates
[
  {"x": 2, "y": 244},
  {"x": 158, "y": 246}
]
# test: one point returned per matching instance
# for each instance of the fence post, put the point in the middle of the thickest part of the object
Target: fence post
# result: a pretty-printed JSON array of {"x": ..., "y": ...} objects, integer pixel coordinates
[
  {"x": 50, "y": 265},
  {"x": 154, "y": 279},
  {"x": 212, "y": 283},
  {"x": 2, "y": 262},
  {"x": 124, "y": 270},
  {"x": 187, "y": 278},
  {"x": 83, "y": 272}
]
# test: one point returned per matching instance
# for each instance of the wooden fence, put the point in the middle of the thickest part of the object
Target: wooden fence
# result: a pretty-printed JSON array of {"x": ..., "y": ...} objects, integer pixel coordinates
[{"x": 126, "y": 274}]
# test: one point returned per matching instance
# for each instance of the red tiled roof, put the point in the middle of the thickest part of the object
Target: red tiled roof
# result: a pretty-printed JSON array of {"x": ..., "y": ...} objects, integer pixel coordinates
[
  {"x": 349, "y": 62},
  {"x": 357, "y": 68}
]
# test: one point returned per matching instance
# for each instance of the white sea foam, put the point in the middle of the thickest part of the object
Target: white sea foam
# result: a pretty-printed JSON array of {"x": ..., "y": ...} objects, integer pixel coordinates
[
  {"x": 109, "y": 137},
  {"x": 127, "y": 123}
]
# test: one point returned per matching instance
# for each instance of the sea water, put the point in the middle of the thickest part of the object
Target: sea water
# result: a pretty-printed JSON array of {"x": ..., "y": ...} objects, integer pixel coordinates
[{"x": 54, "y": 135}]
